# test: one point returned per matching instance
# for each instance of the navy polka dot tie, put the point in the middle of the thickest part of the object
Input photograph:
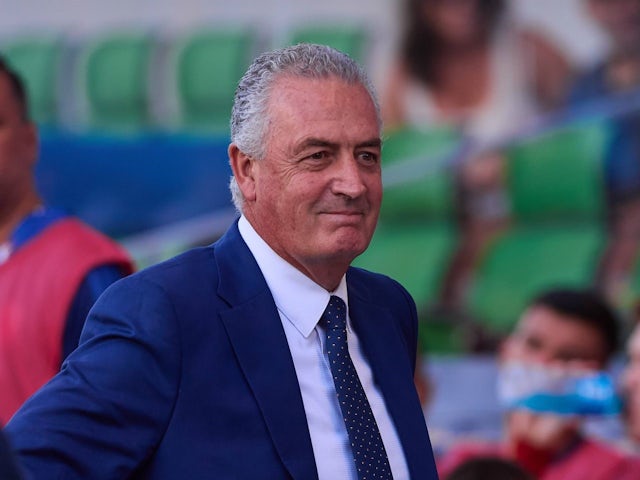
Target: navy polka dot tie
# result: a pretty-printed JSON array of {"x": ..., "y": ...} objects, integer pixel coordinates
[{"x": 367, "y": 448}]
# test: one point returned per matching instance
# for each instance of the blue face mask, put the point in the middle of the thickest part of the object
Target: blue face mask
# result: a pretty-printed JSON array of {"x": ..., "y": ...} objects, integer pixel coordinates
[{"x": 544, "y": 389}]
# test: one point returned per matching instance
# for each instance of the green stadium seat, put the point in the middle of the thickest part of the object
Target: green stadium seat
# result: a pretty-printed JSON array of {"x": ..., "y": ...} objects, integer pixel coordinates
[
  {"x": 556, "y": 189},
  {"x": 114, "y": 73},
  {"x": 37, "y": 60},
  {"x": 350, "y": 39},
  {"x": 418, "y": 183},
  {"x": 527, "y": 260},
  {"x": 559, "y": 175},
  {"x": 208, "y": 65}
]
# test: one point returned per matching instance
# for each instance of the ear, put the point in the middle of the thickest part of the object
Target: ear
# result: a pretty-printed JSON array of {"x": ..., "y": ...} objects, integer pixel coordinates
[{"x": 243, "y": 167}]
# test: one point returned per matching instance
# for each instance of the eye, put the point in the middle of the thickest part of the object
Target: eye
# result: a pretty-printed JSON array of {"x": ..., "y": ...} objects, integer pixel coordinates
[
  {"x": 533, "y": 343},
  {"x": 368, "y": 157},
  {"x": 318, "y": 159},
  {"x": 318, "y": 155}
]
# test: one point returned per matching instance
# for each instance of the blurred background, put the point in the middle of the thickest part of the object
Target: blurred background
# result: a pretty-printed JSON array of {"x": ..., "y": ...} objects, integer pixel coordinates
[{"x": 509, "y": 158}]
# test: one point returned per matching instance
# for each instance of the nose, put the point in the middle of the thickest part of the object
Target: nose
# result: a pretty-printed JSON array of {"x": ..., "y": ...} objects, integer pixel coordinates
[
  {"x": 348, "y": 180},
  {"x": 545, "y": 358}
]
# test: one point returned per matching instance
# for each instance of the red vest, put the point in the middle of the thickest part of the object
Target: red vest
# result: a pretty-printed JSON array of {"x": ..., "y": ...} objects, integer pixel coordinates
[{"x": 37, "y": 286}]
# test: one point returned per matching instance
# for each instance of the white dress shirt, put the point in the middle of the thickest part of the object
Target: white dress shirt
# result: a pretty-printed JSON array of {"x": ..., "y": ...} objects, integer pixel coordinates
[{"x": 300, "y": 303}]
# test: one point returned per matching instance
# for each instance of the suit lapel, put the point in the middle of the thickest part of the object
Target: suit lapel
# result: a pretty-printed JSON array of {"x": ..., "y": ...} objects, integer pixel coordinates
[
  {"x": 256, "y": 334},
  {"x": 387, "y": 355}
]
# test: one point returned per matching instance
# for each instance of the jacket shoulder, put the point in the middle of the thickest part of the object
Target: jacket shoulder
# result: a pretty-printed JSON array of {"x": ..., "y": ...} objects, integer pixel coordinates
[
  {"x": 194, "y": 265},
  {"x": 376, "y": 287}
]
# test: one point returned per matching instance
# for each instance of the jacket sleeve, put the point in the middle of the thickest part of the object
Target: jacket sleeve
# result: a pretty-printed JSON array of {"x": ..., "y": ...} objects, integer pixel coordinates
[
  {"x": 102, "y": 416},
  {"x": 92, "y": 286}
]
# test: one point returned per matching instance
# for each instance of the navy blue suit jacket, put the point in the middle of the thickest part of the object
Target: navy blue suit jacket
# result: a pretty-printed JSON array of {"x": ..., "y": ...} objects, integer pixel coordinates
[
  {"x": 8, "y": 468},
  {"x": 184, "y": 371}
]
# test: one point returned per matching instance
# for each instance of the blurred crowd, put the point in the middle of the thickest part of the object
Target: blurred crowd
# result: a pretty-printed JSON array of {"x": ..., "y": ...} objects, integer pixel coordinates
[
  {"x": 553, "y": 378},
  {"x": 462, "y": 64}
]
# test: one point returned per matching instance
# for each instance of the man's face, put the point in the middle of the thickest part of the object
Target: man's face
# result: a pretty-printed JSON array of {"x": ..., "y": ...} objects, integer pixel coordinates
[
  {"x": 631, "y": 385},
  {"x": 546, "y": 337},
  {"x": 316, "y": 195},
  {"x": 18, "y": 147}
]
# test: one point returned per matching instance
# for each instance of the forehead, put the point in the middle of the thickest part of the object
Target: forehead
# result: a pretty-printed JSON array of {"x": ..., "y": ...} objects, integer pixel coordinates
[
  {"x": 559, "y": 332},
  {"x": 300, "y": 101}
]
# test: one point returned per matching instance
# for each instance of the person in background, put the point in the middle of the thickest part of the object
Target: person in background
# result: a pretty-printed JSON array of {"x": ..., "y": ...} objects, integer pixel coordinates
[
  {"x": 460, "y": 63},
  {"x": 264, "y": 355},
  {"x": 52, "y": 266},
  {"x": 563, "y": 330},
  {"x": 489, "y": 468},
  {"x": 613, "y": 77}
]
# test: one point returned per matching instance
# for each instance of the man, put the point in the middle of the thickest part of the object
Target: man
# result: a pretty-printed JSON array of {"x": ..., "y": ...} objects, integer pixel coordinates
[
  {"x": 52, "y": 267},
  {"x": 564, "y": 330},
  {"x": 614, "y": 77},
  {"x": 232, "y": 361}
]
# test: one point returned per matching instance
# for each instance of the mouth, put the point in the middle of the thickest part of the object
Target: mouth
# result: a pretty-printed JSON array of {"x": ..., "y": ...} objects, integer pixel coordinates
[
  {"x": 344, "y": 215},
  {"x": 344, "y": 212}
]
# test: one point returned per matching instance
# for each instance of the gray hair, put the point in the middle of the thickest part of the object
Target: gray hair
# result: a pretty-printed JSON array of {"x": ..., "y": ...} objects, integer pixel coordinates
[{"x": 249, "y": 116}]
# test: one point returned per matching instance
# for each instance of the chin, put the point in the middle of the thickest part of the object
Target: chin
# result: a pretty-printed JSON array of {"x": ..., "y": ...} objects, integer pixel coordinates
[
  {"x": 343, "y": 251},
  {"x": 353, "y": 248},
  {"x": 347, "y": 254}
]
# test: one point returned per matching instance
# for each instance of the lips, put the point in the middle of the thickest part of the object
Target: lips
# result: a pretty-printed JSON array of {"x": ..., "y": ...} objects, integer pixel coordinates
[
  {"x": 346, "y": 213},
  {"x": 354, "y": 209}
]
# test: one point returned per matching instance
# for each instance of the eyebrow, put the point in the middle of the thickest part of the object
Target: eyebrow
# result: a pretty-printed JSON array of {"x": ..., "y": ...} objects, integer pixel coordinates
[
  {"x": 319, "y": 142},
  {"x": 374, "y": 142}
]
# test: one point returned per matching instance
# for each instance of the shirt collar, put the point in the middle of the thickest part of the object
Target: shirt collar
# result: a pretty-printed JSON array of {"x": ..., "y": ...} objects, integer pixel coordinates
[
  {"x": 34, "y": 223},
  {"x": 30, "y": 226},
  {"x": 298, "y": 298}
]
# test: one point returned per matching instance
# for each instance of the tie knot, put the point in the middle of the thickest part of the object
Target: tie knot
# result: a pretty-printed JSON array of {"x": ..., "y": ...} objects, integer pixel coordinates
[{"x": 335, "y": 315}]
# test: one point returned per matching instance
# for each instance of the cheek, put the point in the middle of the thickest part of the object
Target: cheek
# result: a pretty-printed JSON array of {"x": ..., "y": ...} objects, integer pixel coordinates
[
  {"x": 515, "y": 350},
  {"x": 376, "y": 200},
  {"x": 631, "y": 380},
  {"x": 374, "y": 191}
]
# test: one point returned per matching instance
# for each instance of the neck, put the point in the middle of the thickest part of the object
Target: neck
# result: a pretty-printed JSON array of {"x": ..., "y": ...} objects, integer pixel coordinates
[
  {"x": 327, "y": 278},
  {"x": 326, "y": 271},
  {"x": 10, "y": 218}
]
